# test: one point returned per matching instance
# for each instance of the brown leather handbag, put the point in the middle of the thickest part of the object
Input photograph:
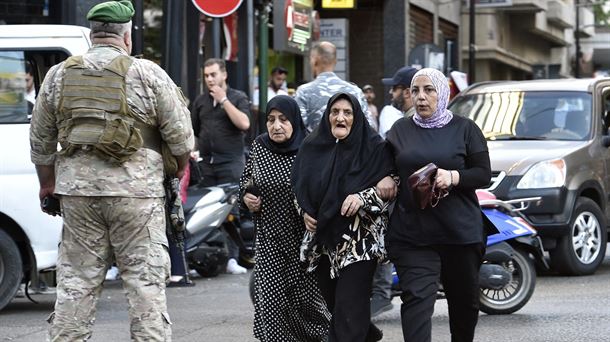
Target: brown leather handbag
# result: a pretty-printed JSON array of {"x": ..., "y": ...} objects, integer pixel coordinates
[{"x": 423, "y": 186}]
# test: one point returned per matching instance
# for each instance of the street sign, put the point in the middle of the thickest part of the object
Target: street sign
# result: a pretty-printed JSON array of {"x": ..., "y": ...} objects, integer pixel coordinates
[
  {"x": 215, "y": 8},
  {"x": 338, "y": 4}
]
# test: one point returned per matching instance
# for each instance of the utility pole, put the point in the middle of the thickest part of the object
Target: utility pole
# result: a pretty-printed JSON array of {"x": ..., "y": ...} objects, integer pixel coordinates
[
  {"x": 173, "y": 29},
  {"x": 263, "y": 45},
  {"x": 471, "y": 51},
  {"x": 138, "y": 28},
  {"x": 577, "y": 40}
]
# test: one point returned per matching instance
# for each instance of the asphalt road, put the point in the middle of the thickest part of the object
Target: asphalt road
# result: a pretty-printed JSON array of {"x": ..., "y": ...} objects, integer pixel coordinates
[{"x": 218, "y": 309}]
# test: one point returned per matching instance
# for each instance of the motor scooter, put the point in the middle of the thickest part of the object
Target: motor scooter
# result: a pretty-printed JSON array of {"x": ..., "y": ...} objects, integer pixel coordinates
[
  {"x": 208, "y": 211},
  {"x": 507, "y": 276}
]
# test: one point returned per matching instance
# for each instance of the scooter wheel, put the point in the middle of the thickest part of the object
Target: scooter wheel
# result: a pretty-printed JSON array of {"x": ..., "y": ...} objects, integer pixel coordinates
[{"x": 516, "y": 293}]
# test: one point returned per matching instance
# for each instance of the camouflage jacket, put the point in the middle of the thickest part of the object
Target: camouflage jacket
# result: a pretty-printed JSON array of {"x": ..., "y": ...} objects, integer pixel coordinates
[
  {"x": 151, "y": 95},
  {"x": 313, "y": 97}
]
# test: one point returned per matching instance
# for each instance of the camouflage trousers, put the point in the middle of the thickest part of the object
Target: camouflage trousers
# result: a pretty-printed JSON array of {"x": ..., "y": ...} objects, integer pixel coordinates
[{"x": 94, "y": 230}]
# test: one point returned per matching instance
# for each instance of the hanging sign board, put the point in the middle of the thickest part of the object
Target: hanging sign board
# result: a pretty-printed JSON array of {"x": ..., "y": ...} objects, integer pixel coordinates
[
  {"x": 294, "y": 23},
  {"x": 336, "y": 31},
  {"x": 342, "y": 4}
]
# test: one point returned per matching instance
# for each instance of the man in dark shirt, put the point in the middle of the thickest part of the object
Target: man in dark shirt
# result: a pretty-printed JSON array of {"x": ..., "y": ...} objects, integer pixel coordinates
[{"x": 220, "y": 118}]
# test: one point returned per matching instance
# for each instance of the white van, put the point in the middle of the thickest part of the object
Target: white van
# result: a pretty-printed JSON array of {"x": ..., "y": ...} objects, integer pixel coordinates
[{"x": 28, "y": 238}]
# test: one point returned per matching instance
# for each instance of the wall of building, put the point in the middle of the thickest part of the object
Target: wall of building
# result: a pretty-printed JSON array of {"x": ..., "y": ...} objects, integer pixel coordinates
[
  {"x": 510, "y": 44},
  {"x": 366, "y": 45}
]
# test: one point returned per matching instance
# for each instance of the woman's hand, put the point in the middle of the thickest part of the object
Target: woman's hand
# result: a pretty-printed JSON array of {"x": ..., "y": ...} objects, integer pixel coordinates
[
  {"x": 310, "y": 223},
  {"x": 252, "y": 202},
  {"x": 447, "y": 178},
  {"x": 351, "y": 205},
  {"x": 386, "y": 188}
]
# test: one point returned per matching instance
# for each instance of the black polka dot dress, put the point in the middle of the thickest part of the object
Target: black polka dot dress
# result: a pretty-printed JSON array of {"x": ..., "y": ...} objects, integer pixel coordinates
[{"x": 288, "y": 305}]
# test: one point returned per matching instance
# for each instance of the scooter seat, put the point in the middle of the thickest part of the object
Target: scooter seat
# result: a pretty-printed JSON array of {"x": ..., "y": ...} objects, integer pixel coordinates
[{"x": 193, "y": 195}]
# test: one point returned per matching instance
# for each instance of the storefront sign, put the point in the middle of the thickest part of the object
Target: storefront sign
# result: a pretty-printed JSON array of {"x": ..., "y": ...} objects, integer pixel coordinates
[
  {"x": 338, "y": 4},
  {"x": 293, "y": 25},
  {"x": 336, "y": 31}
]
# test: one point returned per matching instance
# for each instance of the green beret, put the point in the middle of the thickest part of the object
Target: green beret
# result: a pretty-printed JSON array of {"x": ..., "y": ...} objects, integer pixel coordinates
[{"x": 112, "y": 12}]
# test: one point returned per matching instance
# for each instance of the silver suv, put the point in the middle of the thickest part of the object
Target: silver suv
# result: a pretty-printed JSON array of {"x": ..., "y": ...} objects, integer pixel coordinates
[{"x": 550, "y": 138}]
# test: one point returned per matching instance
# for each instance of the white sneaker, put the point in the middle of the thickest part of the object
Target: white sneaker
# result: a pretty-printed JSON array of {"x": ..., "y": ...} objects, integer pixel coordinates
[
  {"x": 113, "y": 273},
  {"x": 234, "y": 268}
]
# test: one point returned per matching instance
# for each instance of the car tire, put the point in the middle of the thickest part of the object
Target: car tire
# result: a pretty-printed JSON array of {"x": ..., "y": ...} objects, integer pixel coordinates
[
  {"x": 584, "y": 248},
  {"x": 11, "y": 269}
]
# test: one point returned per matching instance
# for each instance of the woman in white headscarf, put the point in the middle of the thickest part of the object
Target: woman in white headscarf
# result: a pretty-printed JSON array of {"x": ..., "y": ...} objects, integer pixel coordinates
[{"x": 444, "y": 242}]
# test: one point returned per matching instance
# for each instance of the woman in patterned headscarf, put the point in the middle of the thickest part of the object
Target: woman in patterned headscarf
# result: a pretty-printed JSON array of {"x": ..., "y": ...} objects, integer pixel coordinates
[{"x": 445, "y": 242}]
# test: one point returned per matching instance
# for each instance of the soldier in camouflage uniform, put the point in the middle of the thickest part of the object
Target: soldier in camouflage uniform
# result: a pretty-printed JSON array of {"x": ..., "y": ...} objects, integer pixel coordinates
[
  {"x": 113, "y": 115},
  {"x": 312, "y": 97}
]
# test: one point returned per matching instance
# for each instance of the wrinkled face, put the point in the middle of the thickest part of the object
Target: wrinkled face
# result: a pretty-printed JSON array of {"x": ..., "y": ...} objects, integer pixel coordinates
[
  {"x": 278, "y": 126},
  {"x": 424, "y": 96},
  {"x": 277, "y": 79},
  {"x": 214, "y": 76},
  {"x": 341, "y": 118}
]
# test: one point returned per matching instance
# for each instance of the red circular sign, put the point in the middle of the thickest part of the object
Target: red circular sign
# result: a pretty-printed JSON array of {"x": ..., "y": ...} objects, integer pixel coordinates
[{"x": 216, "y": 8}]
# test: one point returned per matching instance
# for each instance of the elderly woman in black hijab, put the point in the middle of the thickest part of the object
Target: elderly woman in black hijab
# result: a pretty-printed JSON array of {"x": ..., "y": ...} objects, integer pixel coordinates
[
  {"x": 334, "y": 178},
  {"x": 287, "y": 303}
]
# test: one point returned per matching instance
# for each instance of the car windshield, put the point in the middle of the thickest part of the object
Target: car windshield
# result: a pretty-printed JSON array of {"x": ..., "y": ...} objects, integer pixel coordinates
[
  {"x": 528, "y": 115},
  {"x": 14, "y": 104}
]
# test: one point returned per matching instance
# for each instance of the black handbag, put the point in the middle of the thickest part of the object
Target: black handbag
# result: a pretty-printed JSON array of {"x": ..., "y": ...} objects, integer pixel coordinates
[{"x": 423, "y": 186}]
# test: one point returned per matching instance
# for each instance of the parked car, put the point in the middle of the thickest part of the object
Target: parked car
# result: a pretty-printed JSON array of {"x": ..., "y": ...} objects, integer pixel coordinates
[
  {"x": 29, "y": 239},
  {"x": 550, "y": 138}
]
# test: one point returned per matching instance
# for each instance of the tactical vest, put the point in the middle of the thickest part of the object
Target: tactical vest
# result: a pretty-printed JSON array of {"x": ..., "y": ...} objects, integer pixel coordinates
[{"x": 93, "y": 112}]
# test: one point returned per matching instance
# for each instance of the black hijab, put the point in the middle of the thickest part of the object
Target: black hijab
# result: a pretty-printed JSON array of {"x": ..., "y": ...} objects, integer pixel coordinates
[
  {"x": 289, "y": 107},
  {"x": 327, "y": 170}
]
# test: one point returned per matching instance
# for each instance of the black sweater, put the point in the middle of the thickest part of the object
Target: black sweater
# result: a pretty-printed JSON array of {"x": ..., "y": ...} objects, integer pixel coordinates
[{"x": 459, "y": 145}]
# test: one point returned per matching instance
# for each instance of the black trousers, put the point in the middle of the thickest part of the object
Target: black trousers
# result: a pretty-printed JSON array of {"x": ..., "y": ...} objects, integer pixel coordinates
[
  {"x": 215, "y": 174},
  {"x": 348, "y": 299},
  {"x": 419, "y": 269}
]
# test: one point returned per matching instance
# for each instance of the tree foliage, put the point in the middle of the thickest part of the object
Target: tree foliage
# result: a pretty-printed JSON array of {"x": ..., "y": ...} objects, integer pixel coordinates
[
  {"x": 602, "y": 13},
  {"x": 153, "y": 27}
]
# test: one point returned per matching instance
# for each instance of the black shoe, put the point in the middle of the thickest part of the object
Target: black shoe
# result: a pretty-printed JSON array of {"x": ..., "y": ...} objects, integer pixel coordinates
[
  {"x": 375, "y": 334},
  {"x": 183, "y": 282}
]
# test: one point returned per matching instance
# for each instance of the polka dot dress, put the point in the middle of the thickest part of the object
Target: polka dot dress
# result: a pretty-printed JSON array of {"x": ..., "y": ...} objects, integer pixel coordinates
[{"x": 288, "y": 305}]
